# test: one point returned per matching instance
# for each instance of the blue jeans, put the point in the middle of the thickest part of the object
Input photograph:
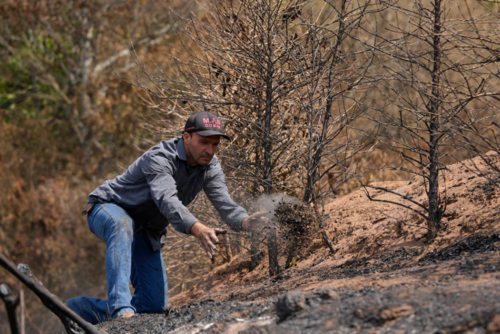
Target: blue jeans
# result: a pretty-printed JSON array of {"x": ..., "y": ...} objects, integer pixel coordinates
[{"x": 129, "y": 256}]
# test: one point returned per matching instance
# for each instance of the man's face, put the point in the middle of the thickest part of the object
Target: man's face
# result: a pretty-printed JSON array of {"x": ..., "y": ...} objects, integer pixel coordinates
[{"x": 199, "y": 149}]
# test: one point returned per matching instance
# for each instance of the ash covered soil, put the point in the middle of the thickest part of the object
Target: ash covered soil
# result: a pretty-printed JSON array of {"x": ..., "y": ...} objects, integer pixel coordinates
[{"x": 383, "y": 277}]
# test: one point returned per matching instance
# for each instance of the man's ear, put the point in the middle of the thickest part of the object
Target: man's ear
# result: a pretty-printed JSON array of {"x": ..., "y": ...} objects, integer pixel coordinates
[{"x": 186, "y": 136}]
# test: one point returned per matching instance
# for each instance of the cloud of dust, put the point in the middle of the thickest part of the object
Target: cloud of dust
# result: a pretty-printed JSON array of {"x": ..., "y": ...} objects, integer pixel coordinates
[{"x": 270, "y": 202}]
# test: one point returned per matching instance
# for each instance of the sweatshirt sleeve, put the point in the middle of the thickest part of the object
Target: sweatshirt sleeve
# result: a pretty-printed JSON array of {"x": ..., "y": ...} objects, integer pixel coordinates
[
  {"x": 217, "y": 192},
  {"x": 158, "y": 171}
]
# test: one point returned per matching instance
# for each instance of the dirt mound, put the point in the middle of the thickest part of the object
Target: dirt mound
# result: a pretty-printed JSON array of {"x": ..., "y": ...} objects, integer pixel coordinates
[{"x": 383, "y": 277}]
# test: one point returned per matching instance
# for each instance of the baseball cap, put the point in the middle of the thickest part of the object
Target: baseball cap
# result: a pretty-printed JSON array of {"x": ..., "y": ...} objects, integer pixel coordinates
[{"x": 205, "y": 124}]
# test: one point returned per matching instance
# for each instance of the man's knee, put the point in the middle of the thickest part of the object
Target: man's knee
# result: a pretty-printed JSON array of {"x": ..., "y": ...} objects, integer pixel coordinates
[{"x": 126, "y": 226}]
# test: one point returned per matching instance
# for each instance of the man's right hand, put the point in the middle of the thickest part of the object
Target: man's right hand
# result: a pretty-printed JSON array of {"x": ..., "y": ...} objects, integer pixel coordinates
[
  {"x": 207, "y": 236},
  {"x": 257, "y": 223}
]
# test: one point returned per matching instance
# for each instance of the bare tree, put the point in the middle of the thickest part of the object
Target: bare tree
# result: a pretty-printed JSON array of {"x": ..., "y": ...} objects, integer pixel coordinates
[
  {"x": 332, "y": 140},
  {"x": 329, "y": 108},
  {"x": 435, "y": 83}
]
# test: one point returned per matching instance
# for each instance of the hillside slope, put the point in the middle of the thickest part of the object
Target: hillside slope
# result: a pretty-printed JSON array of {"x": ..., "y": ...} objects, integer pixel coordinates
[{"x": 383, "y": 278}]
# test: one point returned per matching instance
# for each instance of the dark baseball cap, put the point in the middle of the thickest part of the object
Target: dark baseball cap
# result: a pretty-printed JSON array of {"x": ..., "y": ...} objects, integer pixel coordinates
[{"x": 205, "y": 124}]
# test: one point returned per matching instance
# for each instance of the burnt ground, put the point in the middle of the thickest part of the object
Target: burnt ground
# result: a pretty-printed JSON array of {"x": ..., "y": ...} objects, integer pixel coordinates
[{"x": 454, "y": 289}]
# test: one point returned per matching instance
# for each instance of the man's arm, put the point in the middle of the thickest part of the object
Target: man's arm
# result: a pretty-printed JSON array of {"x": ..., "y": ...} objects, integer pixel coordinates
[
  {"x": 216, "y": 190},
  {"x": 231, "y": 213}
]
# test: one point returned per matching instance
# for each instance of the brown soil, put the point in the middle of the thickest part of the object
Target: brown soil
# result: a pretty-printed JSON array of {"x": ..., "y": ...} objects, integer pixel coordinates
[{"x": 383, "y": 278}]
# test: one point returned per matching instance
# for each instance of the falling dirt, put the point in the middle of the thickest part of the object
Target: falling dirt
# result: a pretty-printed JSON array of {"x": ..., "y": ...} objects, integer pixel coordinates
[{"x": 383, "y": 278}]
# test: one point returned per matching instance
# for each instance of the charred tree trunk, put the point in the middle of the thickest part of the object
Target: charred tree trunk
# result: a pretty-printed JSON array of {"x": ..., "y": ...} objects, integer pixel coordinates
[
  {"x": 268, "y": 185},
  {"x": 272, "y": 247},
  {"x": 254, "y": 250},
  {"x": 434, "y": 210}
]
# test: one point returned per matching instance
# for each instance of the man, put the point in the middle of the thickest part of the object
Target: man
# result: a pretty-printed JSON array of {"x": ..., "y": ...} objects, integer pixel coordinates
[{"x": 131, "y": 213}]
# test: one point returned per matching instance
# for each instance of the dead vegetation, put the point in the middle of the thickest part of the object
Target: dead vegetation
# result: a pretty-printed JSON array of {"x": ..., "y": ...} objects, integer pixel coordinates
[{"x": 298, "y": 228}]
